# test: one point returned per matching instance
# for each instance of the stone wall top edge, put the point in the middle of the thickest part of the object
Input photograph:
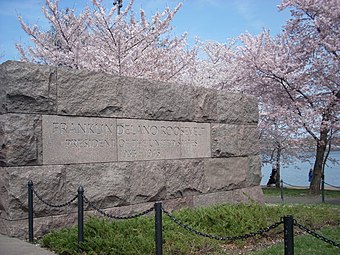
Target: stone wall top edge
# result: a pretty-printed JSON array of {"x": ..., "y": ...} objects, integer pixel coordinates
[
  {"x": 122, "y": 118},
  {"x": 236, "y": 123},
  {"x": 70, "y": 70},
  {"x": 124, "y": 97},
  {"x": 199, "y": 121}
]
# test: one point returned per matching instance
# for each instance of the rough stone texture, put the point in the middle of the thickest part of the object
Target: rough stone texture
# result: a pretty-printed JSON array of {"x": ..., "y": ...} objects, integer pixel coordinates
[
  {"x": 42, "y": 225},
  {"x": 237, "y": 108},
  {"x": 227, "y": 172},
  {"x": 86, "y": 93},
  {"x": 234, "y": 140},
  {"x": 49, "y": 182},
  {"x": 166, "y": 102},
  {"x": 206, "y": 105},
  {"x": 20, "y": 139},
  {"x": 27, "y": 88},
  {"x": 119, "y": 183},
  {"x": 254, "y": 175},
  {"x": 185, "y": 177},
  {"x": 148, "y": 181},
  {"x": 231, "y": 196},
  {"x": 105, "y": 184}
]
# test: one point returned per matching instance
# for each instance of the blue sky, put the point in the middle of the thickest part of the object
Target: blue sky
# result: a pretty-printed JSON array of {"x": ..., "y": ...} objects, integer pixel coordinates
[{"x": 215, "y": 20}]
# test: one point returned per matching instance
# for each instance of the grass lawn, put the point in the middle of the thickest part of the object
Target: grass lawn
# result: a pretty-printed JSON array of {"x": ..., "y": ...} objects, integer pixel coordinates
[
  {"x": 307, "y": 245},
  {"x": 136, "y": 236}
]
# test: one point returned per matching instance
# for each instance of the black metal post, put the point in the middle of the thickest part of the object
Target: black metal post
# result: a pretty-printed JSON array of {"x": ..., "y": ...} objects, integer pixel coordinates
[
  {"x": 281, "y": 189},
  {"x": 288, "y": 234},
  {"x": 30, "y": 211},
  {"x": 323, "y": 188},
  {"x": 158, "y": 228},
  {"x": 80, "y": 214}
]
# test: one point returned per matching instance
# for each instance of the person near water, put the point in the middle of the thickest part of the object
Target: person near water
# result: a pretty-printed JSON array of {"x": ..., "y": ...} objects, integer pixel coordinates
[
  {"x": 310, "y": 175},
  {"x": 272, "y": 178}
]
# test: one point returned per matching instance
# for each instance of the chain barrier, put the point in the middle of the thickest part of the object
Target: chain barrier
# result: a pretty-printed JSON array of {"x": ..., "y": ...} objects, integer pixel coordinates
[
  {"x": 83, "y": 198},
  {"x": 222, "y": 238},
  {"x": 316, "y": 235},
  {"x": 337, "y": 187},
  {"x": 292, "y": 185},
  {"x": 52, "y": 205},
  {"x": 102, "y": 212}
]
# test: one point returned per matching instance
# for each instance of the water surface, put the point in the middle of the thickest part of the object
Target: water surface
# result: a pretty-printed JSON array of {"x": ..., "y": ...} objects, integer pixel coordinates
[{"x": 297, "y": 173}]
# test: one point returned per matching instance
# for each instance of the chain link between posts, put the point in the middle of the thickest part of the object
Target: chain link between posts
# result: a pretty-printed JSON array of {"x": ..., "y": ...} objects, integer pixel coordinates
[
  {"x": 337, "y": 187},
  {"x": 292, "y": 185},
  {"x": 108, "y": 215},
  {"x": 187, "y": 227},
  {"x": 52, "y": 205},
  {"x": 222, "y": 238},
  {"x": 316, "y": 235}
]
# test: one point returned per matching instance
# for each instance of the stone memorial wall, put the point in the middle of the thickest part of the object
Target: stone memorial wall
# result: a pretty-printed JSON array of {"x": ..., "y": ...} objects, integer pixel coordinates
[{"x": 129, "y": 142}]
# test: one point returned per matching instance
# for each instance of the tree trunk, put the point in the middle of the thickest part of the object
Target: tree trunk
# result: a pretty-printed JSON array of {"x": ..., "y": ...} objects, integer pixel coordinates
[
  {"x": 319, "y": 160},
  {"x": 278, "y": 169}
]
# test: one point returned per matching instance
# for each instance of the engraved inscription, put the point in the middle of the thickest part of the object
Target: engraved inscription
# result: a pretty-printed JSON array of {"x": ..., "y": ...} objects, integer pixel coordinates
[
  {"x": 83, "y": 140},
  {"x": 195, "y": 140},
  {"x": 82, "y": 128},
  {"x": 78, "y": 140},
  {"x": 146, "y": 140}
]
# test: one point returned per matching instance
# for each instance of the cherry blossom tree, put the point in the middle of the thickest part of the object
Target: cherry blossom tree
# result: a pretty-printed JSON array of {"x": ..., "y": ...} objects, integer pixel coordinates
[
  {"x": 217, "y": 64},
  {"x": 276, "y": 144},
  {"x": 312, "y": 83},
  {"x": 101, "y": 39},
  {"x": 296, "y": 73}
]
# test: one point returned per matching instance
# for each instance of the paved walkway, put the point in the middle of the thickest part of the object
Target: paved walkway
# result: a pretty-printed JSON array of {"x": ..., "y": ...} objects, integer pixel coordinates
[
  {"x": 14, "y": 246},
  {"x": 299, "y": 200}
]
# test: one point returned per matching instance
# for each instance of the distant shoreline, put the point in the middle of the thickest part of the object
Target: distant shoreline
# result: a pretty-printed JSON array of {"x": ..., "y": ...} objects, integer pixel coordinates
[
  {"x": 312, "y": 151},
  {"x": 296, "y": 173},
  {"x": 297, "y": 187}
]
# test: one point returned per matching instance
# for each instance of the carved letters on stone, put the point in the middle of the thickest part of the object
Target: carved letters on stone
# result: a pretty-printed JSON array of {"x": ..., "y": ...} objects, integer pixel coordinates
[
  {"x": 85, "y": 140},
  {"x": 78, "y": 139}
]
